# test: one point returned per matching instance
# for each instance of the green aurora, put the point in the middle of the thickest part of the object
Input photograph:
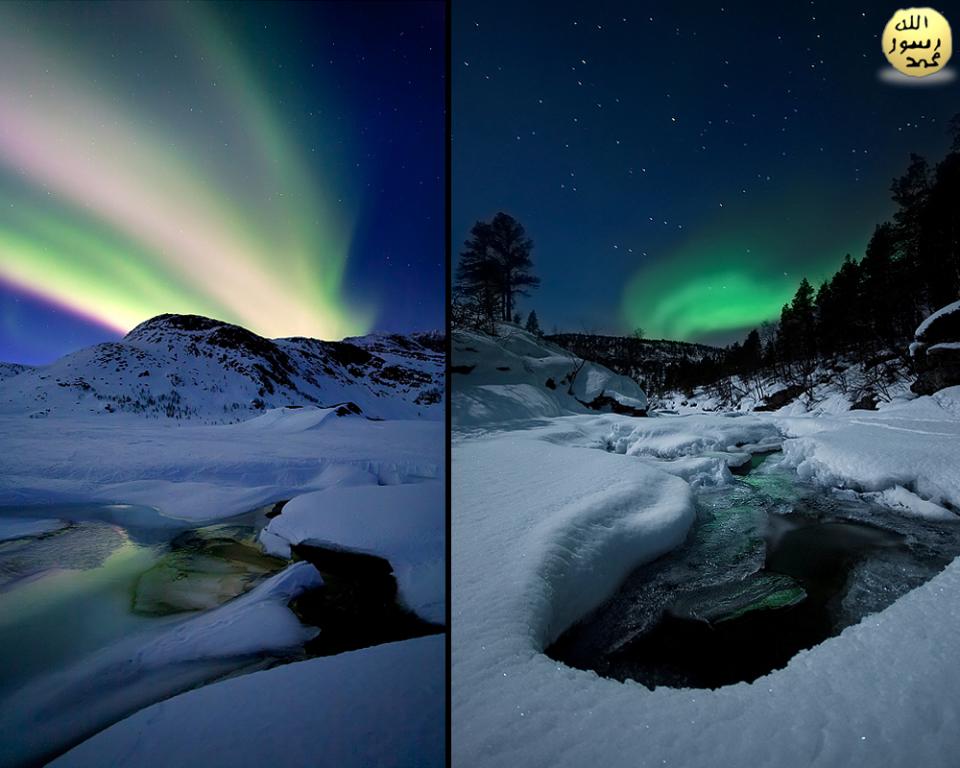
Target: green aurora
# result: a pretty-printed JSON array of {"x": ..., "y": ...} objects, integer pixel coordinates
[
  {"x": 177, "y": 187},
  {"x": 736, "y": 273}
]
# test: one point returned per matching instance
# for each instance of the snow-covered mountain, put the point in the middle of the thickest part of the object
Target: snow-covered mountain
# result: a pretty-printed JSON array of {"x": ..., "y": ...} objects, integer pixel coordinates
[
  {"x": 191, "y": 367},
  {"x": 518, "y": 375}
]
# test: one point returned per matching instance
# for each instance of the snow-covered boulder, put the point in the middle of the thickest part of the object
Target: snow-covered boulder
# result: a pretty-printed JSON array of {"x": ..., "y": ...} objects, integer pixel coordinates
[
  {"x": 518, "y": 375},
  {"x": 936, "y": 350}
]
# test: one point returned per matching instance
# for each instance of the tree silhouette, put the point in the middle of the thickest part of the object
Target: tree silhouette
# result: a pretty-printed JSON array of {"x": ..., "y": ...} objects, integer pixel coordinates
[
  {"x": 495, "y": 268},
  {"x": 533, "y": 324}
]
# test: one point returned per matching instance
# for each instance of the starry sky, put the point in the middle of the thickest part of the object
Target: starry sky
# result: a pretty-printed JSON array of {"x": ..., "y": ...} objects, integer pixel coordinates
[
  {"x": 277, "y": 165},
  {"x": 680, "y": 167}
]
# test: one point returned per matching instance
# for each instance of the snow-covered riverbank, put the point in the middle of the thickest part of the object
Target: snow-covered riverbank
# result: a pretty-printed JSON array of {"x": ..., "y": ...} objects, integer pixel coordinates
[
  {"x": 546, "y": 523},
  {"x": 551, "y": 512}
]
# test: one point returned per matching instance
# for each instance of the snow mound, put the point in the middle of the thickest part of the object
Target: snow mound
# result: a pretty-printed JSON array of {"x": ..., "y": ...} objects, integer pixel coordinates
[
  {"x": 936, "y": 351},
  {"x": 518, "y": 376},
  {"x": 293, "y": 419},
  {"x": 380, "y": 706},
  {"x": 402, "y": 523},
  {"x": 544, "y": 533}
]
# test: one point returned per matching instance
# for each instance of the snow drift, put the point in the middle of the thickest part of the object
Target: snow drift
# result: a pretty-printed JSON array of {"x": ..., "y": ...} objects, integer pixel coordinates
[{"x": 381, "y": 706}]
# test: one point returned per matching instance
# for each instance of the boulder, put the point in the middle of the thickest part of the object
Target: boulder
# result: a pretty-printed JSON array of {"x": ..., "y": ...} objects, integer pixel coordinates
[{"x": 936, "y": 351}]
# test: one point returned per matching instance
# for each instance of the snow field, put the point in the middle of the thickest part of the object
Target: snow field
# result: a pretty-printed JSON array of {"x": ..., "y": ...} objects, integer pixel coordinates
[{"x": 199, "y": 472}]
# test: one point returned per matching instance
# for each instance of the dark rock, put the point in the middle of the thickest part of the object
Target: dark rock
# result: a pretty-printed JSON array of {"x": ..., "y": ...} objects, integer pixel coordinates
[
  {"x": 276, "y": 509},
  {"x": 945, "y": 328},
  {"x": 935, "y": 361},
  {"x": 357, "y": 605},
  {"x": 348, "y": 409},
  {"x": 779, "y": 399},
  {"x": 937, "y": 369},
  {"x": 868, "y": 402},
  {"x": 603, "y": 402},
  {"x": 429, "y": 396}
]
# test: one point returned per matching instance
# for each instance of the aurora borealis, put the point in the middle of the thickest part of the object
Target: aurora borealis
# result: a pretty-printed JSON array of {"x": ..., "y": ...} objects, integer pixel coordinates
[
  {"x": 225, "y": 160},
  {"x": 680, "y": 167}
]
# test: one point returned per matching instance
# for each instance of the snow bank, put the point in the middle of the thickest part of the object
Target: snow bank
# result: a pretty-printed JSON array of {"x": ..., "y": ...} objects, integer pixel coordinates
[
  {"x": 22, "y": 527},
  {"x": 543, "y": 533},
  {"x": 899, "y": 498},
  {"x": 519, "y": 376},
  {"x": 913, "y": 446},
  {"x": 380, "y": 706},
  {"x": 278, "y": 420},
  {"x": 402, "y": 523}
]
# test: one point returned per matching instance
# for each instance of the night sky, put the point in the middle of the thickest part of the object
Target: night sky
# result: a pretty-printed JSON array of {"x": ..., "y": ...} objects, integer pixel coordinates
[
  {"x": 680, "y": 167},
  {"x": 280, "y": 166}
]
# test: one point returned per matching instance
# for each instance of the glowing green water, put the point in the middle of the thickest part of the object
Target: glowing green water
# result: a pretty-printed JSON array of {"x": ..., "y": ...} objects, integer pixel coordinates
[{"x": 66, "y": 594}]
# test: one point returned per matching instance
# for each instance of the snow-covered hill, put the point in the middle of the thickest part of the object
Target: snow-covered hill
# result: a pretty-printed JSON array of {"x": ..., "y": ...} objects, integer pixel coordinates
[
  {"x": 614, "y": 351},
  {"x": 655, "y": 364},
  {"x": 9, "y": 370},
  {"x": 191, "y": 367},
  {"x": 836, "y": 386},
  {"x": 518, "y": 375}
]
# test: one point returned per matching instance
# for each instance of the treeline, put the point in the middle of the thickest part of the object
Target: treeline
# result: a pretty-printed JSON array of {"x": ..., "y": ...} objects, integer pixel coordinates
[
  {"x": 869, "y": 309},
  {"x": 658, "y": 365}
]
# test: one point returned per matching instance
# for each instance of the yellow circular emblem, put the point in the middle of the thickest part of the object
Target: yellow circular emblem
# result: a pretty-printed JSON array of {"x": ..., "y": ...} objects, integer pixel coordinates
[{"x": 917, "y": 41}]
